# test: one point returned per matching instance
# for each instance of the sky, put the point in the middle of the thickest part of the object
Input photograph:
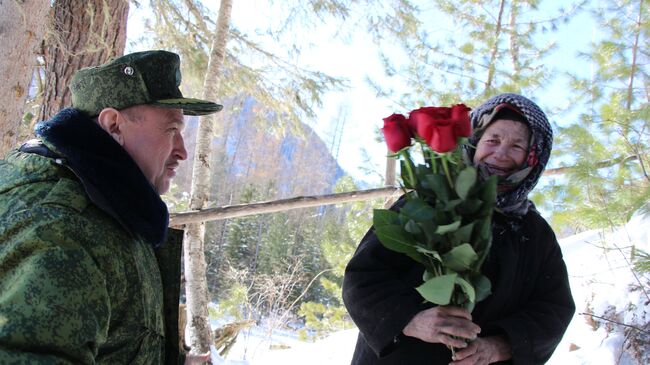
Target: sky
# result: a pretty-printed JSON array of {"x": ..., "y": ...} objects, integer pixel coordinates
[{"x": 355, "y": 58}]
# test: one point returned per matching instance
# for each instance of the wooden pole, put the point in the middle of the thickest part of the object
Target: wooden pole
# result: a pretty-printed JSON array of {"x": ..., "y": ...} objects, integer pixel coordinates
[
  {"x": 241, "y": 210},
  {"x": 391, "y": 164}
]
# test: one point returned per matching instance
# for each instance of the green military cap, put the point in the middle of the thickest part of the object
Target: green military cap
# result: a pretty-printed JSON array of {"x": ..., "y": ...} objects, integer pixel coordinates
[{"x": 150, "y": 77}]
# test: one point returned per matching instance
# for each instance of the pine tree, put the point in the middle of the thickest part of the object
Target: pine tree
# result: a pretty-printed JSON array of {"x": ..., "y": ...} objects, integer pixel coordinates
[
  {"x": 22, "y": 26},
  {"x": 610, "y": 143},
  {"x": 498, "y": 49},
  {"x": 83, "y": 34}
]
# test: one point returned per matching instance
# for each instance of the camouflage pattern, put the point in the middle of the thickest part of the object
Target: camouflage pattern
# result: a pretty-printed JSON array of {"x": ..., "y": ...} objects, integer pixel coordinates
[
  {"x": 150, "y": 77},
  {"x": 75, "y": 287}
]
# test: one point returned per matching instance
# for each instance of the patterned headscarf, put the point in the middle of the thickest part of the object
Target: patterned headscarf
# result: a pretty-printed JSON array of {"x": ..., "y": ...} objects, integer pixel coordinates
[{"x": 515, "y": 201}]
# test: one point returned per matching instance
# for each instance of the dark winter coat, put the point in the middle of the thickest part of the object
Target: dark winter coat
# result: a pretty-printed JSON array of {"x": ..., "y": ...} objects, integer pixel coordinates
[
  {"x": 531, "y": 303},
  {"x": 82, "y": 260}
]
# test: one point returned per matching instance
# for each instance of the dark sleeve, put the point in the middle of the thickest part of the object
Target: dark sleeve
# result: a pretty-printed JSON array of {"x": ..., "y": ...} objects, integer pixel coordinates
[
  {"x": 169, "y": 259},
  {"x": 378, "y": 293},
  {"x": 535, "y": 331}
]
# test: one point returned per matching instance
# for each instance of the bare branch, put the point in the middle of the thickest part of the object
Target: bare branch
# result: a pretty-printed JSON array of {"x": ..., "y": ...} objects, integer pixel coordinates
[
  {"x": 599, "y": 165},
  {"x": 241, "y": 210},
  {"x": 618, "y": 323}
]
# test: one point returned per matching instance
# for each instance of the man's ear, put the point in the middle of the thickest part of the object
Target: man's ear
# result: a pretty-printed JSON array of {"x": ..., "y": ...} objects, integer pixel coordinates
[{"x": 111, "y": 121}]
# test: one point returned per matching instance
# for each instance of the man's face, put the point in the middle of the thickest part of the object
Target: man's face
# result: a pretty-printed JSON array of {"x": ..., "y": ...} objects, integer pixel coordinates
[
  {"x": 503, "y": 147},
  {"x": 152, "y": 136}
]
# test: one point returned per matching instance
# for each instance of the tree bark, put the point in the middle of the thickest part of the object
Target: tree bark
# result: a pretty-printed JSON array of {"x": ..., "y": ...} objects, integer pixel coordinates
[
  {"x": 84, "y": 33},
  {"x": 495, "y": 50},
  {"x": 196, "y": 286},
  {"x": 22, "y": 25},
  {"x": 242, "y": 210},
  {"x": 635, "y": 50}
]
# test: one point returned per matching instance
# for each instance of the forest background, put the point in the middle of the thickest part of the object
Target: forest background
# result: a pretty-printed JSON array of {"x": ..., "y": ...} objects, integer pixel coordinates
[{"x": 305, "y": 85}]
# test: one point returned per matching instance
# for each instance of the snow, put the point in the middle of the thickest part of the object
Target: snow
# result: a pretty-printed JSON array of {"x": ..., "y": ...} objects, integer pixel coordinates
[{"x": 602, "y": 284}]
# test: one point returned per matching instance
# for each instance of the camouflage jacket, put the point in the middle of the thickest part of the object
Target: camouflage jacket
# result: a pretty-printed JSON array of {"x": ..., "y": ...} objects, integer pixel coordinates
[{"x": 79, "y": 285}]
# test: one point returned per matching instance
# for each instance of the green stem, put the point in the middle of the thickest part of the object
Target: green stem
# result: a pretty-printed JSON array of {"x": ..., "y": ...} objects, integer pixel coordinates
[
  {"x": 445, "y": 167},
  {"x": 409, "y": 170},
  {"x": 434, "y": 166}
]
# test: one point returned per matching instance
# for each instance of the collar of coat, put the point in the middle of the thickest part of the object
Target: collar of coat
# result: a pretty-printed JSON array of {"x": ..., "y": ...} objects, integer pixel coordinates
[{"x": 112, "y": 180}]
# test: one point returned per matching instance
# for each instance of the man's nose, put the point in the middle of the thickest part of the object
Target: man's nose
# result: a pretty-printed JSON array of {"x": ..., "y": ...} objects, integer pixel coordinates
[{"x": 179, "y": 147}]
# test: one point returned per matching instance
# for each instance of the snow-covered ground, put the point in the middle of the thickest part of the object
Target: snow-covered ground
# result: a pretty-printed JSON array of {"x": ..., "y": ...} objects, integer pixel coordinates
[{"x": 602, "y": 284}]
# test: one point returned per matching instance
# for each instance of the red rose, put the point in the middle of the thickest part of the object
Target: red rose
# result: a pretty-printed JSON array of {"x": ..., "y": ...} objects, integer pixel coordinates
[
  {"x": 441, "y": 127},
  {"x": 460, "y": 115},
  {"x": 396, "y": 132}
]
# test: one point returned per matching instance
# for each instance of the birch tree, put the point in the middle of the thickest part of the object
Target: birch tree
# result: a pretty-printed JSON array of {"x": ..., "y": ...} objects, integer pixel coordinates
[
  {"x": 83, "y": 33},
  {"x": 196, "y": 288},
  {"x": 22, "y": 25}
]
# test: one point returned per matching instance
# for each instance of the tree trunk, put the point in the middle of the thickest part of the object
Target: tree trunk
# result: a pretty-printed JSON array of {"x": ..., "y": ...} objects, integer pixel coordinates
[
  {"x": 391, "y": 166},
  {"x": 196, "y": 287},
  {"x": 22, "y": 25},
  {"x": 84, "y": 33},
  {"x": 635, "y": 51},
  {"x": 495, "y": 50}
]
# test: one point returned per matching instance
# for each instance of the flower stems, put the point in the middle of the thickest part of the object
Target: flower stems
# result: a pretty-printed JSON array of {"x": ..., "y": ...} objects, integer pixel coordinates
[
  {"x": 434, "y": 166},
  {"x": 407, "y": 163},
  {"x": 445, "y": 166}
]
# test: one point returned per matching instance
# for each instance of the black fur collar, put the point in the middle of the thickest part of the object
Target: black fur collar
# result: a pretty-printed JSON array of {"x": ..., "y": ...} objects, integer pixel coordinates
[{"x": 111, "y": 178}]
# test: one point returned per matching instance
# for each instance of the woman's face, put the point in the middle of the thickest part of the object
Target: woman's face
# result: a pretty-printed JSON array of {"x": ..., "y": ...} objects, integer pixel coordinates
[{"x": 503, "y": 147}]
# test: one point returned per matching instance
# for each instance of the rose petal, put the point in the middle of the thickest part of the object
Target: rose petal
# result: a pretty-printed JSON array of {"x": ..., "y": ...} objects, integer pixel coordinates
[{"x": 396, "y": 132}]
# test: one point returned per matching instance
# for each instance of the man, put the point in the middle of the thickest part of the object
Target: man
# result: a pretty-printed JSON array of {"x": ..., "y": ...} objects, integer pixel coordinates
[{"x": 88, "y": 272}]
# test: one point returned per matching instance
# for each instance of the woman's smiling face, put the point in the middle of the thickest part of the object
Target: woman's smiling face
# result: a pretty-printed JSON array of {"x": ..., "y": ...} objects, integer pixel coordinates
[{"x": 503, "y": 147}]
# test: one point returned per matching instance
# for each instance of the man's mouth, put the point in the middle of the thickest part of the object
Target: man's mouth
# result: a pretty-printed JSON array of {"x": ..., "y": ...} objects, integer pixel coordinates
[{"x": 171, "y": 170}]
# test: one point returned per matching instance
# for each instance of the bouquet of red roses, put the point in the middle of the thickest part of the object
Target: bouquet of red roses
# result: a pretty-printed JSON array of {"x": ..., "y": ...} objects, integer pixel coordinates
[{"x": 445, "y": 222}]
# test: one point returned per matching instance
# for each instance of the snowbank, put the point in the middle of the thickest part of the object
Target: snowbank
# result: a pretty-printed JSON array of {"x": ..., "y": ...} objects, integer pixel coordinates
[{"x": 602, "y": 283}]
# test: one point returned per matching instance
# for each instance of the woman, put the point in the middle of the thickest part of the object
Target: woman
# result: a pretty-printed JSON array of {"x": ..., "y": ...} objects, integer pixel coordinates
[{"x": 530, "y": 307}]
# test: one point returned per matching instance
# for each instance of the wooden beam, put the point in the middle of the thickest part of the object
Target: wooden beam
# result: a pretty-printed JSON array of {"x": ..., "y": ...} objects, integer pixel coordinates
[
  {"x": 598, "y": 165},
  {"x": 241, "y": 210}
]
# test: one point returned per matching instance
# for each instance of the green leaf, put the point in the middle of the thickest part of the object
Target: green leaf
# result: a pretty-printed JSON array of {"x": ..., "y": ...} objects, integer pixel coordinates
[
  {"x": 489, "y": 190},
  {"x": 430, "y": 253},
  {"x": 382, "y": 217},
  {"x": 412, "y": 227},
  {"x": 482, "y": 286},
  {"x": 467, "y": 288},
  {"x": 448, "y": 227},
  {"x": 464, "y": 233},
  {"x": 418, "y": 210},
  {"x": 460, "y": 258},
  {"x": 450, "y": 205},
  {"x": 438, "y": 289},
  {"x": 427, "y": 275},
  {"x": 465, "y": 181},
  {"x": 484, "y": 229},
  {"x": 429, "y": 229},
  {"x": 469, "y": 206},
  {"x": 394, "y": 238},
  {"x": 438, "y": 183}
]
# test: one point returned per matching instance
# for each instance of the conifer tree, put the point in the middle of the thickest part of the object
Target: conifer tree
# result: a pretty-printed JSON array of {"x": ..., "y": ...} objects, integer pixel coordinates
[
  {"x": 610, "y": 174},
  {"x": 463, "y": 50}
]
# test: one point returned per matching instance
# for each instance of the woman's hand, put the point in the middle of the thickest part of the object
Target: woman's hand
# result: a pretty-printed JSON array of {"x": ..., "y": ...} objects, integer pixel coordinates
[
  {"x": 482, "y": 351},
  {"x": 443, "y": 324}
]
